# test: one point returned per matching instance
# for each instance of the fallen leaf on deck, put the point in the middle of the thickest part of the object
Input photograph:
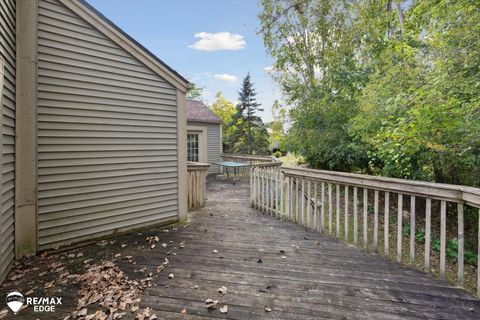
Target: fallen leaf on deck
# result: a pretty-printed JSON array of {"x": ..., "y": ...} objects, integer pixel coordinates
[
  {"x": 49, "y": 284},
  {"x": 170, "y": 276},
  {"x": 184, "y": 311},
  {"x": 82, "y": 312},
  {"x": 160, "y": 269},
  {"x": 211, "y": 304},
  {"x": 134, "y": 308},
  {"x": 29, "y": 292},
  {"x": 222, "y": 290},
  {"x": 108, "y": 286},
  {"x": 117, "y": 255},
  {"x": 215, "y": 251},
  {"x": 102, "y": 243},
  {"x": 195, "y": 287},
  {"x": 3, "y": 313},
  {"x": 41, "y": 274},
  {"x": 224, "y": 309},
  {"x": 153, "y": 317},
  {"x": 164, "y": 245},
  {"x": 284, "y": 257},
  {"x": 267, "y": 309},
  {"x": 124, "y": 245}
]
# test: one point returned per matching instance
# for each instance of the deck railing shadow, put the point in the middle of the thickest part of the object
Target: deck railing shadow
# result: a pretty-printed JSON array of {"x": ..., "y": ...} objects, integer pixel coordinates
[{"x": 376, "y": 213}]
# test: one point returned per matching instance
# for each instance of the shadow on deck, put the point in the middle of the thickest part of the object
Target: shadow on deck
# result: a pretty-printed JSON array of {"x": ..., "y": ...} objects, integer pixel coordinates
[{"x": 263, "y": 262}]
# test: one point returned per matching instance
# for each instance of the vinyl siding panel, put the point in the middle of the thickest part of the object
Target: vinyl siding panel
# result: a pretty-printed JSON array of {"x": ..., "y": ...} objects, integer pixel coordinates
[
  {"x": 107, "y": 135},
  {"x": 7, "y": 169},
  {"x": 213, "y": 143}
]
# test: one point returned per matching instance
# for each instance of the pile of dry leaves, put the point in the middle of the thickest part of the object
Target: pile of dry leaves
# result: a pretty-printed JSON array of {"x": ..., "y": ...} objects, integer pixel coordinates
[{"x": 107, "y": 286}]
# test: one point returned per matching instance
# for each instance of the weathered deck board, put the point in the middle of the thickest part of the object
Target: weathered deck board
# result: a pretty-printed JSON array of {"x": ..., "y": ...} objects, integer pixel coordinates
[
  {"x": 302, "y": 274},
  {"x": 319, "y": 278}
]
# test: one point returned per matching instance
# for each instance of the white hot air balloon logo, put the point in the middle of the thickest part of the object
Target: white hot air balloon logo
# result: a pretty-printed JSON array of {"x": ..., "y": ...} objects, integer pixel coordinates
[{"x": 15, "y": 301}]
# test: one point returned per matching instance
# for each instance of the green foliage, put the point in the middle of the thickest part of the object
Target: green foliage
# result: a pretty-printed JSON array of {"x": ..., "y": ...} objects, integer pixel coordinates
[
  {"x": 249, "y": 134},
  {"x": 380, "y": 88},
  {"x": 196, "y": 93},
  {"x": 277, "y": 137},
  {"x": 225, "y": 110}
]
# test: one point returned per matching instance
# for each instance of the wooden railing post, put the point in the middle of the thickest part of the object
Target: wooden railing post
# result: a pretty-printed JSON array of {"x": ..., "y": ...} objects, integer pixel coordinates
[{"x": 196, "y": 184}]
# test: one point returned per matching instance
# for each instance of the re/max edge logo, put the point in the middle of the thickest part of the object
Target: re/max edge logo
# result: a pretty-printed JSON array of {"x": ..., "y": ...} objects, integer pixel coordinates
[{"x": 15, "y": 301}]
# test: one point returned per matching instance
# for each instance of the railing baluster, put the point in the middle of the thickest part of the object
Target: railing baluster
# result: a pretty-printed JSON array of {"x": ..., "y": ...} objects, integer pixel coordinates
[
  {"x": 252, "y": 184},
  {"x": 443, "y": 220},
  {"x": 322, "y": 209},
  {"x": 315, "y": 209},
  {"x": 297, "y": 204},
  {"x": 302, "y": 194},
  {"x": 291, "y": 197},
  {"x": 337, "y": 211},
  {"x": 286, "y": 200},
  {"x": 346, "y": 213},
  {"x": 399, "y": 227},
  {"x": 277, "y": 202},
  {"x": 365, "y": 217},
  {"x": 386, "y": 231},
  {"x": 428, "y": 227},
  {"x": 309, "y": 204},
  {"x": 478, "y": 254},
  {"x": 330, "y": 208},
  {"x": 355, "y": 215},
  {"x": 262, "y": 192},
  {"x": 375, "y": 220},
  {"x": 460, "y": 245},
  {"x": 282, "y": 194},
  {"x": 412, "y": 230},
  {"x": 272, "y": 192}
]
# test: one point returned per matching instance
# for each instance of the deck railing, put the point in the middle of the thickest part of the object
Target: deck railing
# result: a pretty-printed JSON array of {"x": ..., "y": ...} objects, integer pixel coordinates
[
  {"x": 197, "y": 184},
  {"x": 250, "y": 159},
  {"x": 365, "y": 208}
]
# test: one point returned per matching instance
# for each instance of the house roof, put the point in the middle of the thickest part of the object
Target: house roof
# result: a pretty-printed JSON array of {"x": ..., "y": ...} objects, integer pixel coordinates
[
  {"x": 197, "y": 111},
  {"x": 117, "y": 35}
]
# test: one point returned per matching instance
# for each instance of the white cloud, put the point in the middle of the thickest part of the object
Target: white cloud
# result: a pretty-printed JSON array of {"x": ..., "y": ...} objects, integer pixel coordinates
[
  {"x": 269, "y": 69},
  {"x": 218, "y": 41},
  {"x": 225, "y": 77}
]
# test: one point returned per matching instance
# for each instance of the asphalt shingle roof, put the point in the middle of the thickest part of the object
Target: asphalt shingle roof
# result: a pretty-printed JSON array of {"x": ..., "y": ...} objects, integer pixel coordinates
[{"x": 199, "y": 112}]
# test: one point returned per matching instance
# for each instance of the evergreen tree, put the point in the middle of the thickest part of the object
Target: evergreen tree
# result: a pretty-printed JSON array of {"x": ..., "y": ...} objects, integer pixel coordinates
[{"x": 250, "y": 135}]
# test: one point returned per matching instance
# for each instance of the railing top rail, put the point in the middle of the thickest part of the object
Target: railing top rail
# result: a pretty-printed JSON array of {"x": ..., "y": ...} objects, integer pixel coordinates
[
  {"x": 448, "y": 192},
  {"x": 267, "y": 164},
  {"x": 249, "y": 157},
  {"x": 197, "y": 166}
]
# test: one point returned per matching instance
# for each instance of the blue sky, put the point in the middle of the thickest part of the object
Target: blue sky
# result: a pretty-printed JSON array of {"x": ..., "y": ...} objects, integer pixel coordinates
[{"x": 213, "y": 43}]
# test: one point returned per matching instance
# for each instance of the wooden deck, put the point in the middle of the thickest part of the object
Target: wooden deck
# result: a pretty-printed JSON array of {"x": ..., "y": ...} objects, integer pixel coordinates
[
  {"x": 263, "y": 261},
  {"x": 297, "y": 273}
]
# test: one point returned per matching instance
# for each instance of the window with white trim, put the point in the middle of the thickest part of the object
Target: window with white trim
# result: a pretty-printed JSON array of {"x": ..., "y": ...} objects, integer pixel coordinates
[{"x": 192, "y": 147}]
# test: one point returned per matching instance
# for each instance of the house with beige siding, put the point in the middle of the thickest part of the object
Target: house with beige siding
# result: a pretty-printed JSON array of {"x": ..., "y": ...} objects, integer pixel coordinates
[
  {"x": 204, "y": 135},
  {"x": 93, "y": 133}
]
